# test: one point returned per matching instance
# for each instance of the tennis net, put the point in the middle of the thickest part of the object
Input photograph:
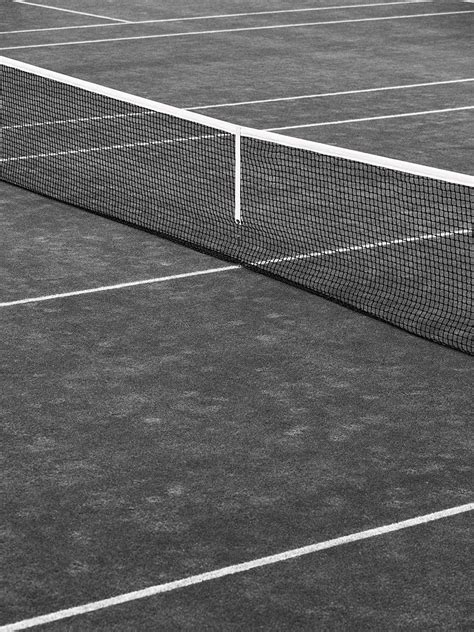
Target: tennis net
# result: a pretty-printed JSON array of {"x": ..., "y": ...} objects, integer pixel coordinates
[{"x": 389, "y": 238}]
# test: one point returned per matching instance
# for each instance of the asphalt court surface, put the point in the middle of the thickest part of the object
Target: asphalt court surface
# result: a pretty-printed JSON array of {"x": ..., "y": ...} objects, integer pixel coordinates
[{"x": 166, "y": 430}]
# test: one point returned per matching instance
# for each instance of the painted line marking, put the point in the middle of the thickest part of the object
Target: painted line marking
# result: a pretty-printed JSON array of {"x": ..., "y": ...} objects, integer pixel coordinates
[
  {"x": 264, "y": 262},
  {"x": 204, "y": 107},
  {"x": 330, "y": 94},
  {"x": 212, "y": 17},
  {"x": 86, "y": 119},
  {"x": 46, "y": 6},
  {"x": 119, "y": 286},
  {"x": 234, "y": 569},
  {"x": 377, "y": 244},
  {"x": 236, "y": 30},
  {"x": 125, "y": 146},
  {"x": 370, "y": 118}
]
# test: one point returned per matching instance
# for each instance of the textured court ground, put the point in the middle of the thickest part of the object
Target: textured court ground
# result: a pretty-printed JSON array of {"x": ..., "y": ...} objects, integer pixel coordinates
[{"x": 165, "y": 430}]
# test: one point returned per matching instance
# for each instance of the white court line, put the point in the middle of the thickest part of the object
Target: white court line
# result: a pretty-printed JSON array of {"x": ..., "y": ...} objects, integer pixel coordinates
[
  {"x": 86, "y": 119},
  {"x": 204, "y": 107},
  {"x": 377, "y": 244},
  {"x": 45, "y": 6},
  {"x": 88, "y": 150},
  {"x": 371, "y": 118},
  {"x": 236, "y": 30},
  {"x": 264, "y": 262},
  {"x": 234, "y": 569},
  {"x": 329, "y": 94},
  {"x": 221, "y": 16},
  {"x": 119, "y": 286}
]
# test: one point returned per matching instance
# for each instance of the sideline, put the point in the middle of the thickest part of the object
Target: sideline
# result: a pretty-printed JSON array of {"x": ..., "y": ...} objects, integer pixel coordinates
[
  {"x": 215, "y": 106},
  {"x": 194, "y": 17},
  {"x": 92, "y": 15},
  {"x": 234, "y": 569},
  {"x": 236, "y": 30},
  {"x": 371, "y": 118},
  {"x": 265, "y": 262}
]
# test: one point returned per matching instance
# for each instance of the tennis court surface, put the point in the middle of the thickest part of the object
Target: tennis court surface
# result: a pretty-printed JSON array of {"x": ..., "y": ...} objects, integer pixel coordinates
[{"x": 245, "y": 403}]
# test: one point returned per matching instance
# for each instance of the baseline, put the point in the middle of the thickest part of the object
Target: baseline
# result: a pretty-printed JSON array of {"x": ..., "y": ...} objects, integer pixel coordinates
[{"x": 234, "y": 569}]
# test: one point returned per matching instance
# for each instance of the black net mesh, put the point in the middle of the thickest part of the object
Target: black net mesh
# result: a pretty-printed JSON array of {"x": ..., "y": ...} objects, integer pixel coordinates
[{"x": 392, "y": 244}]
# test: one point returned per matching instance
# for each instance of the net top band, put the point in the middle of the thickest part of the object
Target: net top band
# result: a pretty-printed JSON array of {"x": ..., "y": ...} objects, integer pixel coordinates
[{"x": 230, "y": 128}]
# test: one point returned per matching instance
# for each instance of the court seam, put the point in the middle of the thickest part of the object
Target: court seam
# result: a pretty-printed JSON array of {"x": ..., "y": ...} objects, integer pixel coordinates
[
  {"x": 235, "y": 30},
  {"x": 207, "y": 17},
  {"x": 263, "y": 262},
  {"x": 46, "y": 6},
  {"x": 329, "y": 94},
  {"x": 235, "y": 569}
]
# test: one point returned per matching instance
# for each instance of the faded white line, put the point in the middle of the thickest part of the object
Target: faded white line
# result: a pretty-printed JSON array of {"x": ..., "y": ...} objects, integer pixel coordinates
[
  {"x": 329, "y": 94},
  {"x": 235, "y": 569},
  {"x": 125, "y": 146},
  {"x": 221, "y": 16},
  {"x": 263, "y": 262},
  {"x": 371, "y": 246},
  {"x": 87, "y": 119},
  {"x": 236, "y": 30},
  {"x": 46, "y": 6},
  {"x": 370, "y": 118},
  {"x": 220, "y": 105}
]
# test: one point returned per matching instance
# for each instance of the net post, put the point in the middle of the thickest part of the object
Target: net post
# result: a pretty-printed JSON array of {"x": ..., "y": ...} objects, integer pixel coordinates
[{"x": 238, "y": 177}]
